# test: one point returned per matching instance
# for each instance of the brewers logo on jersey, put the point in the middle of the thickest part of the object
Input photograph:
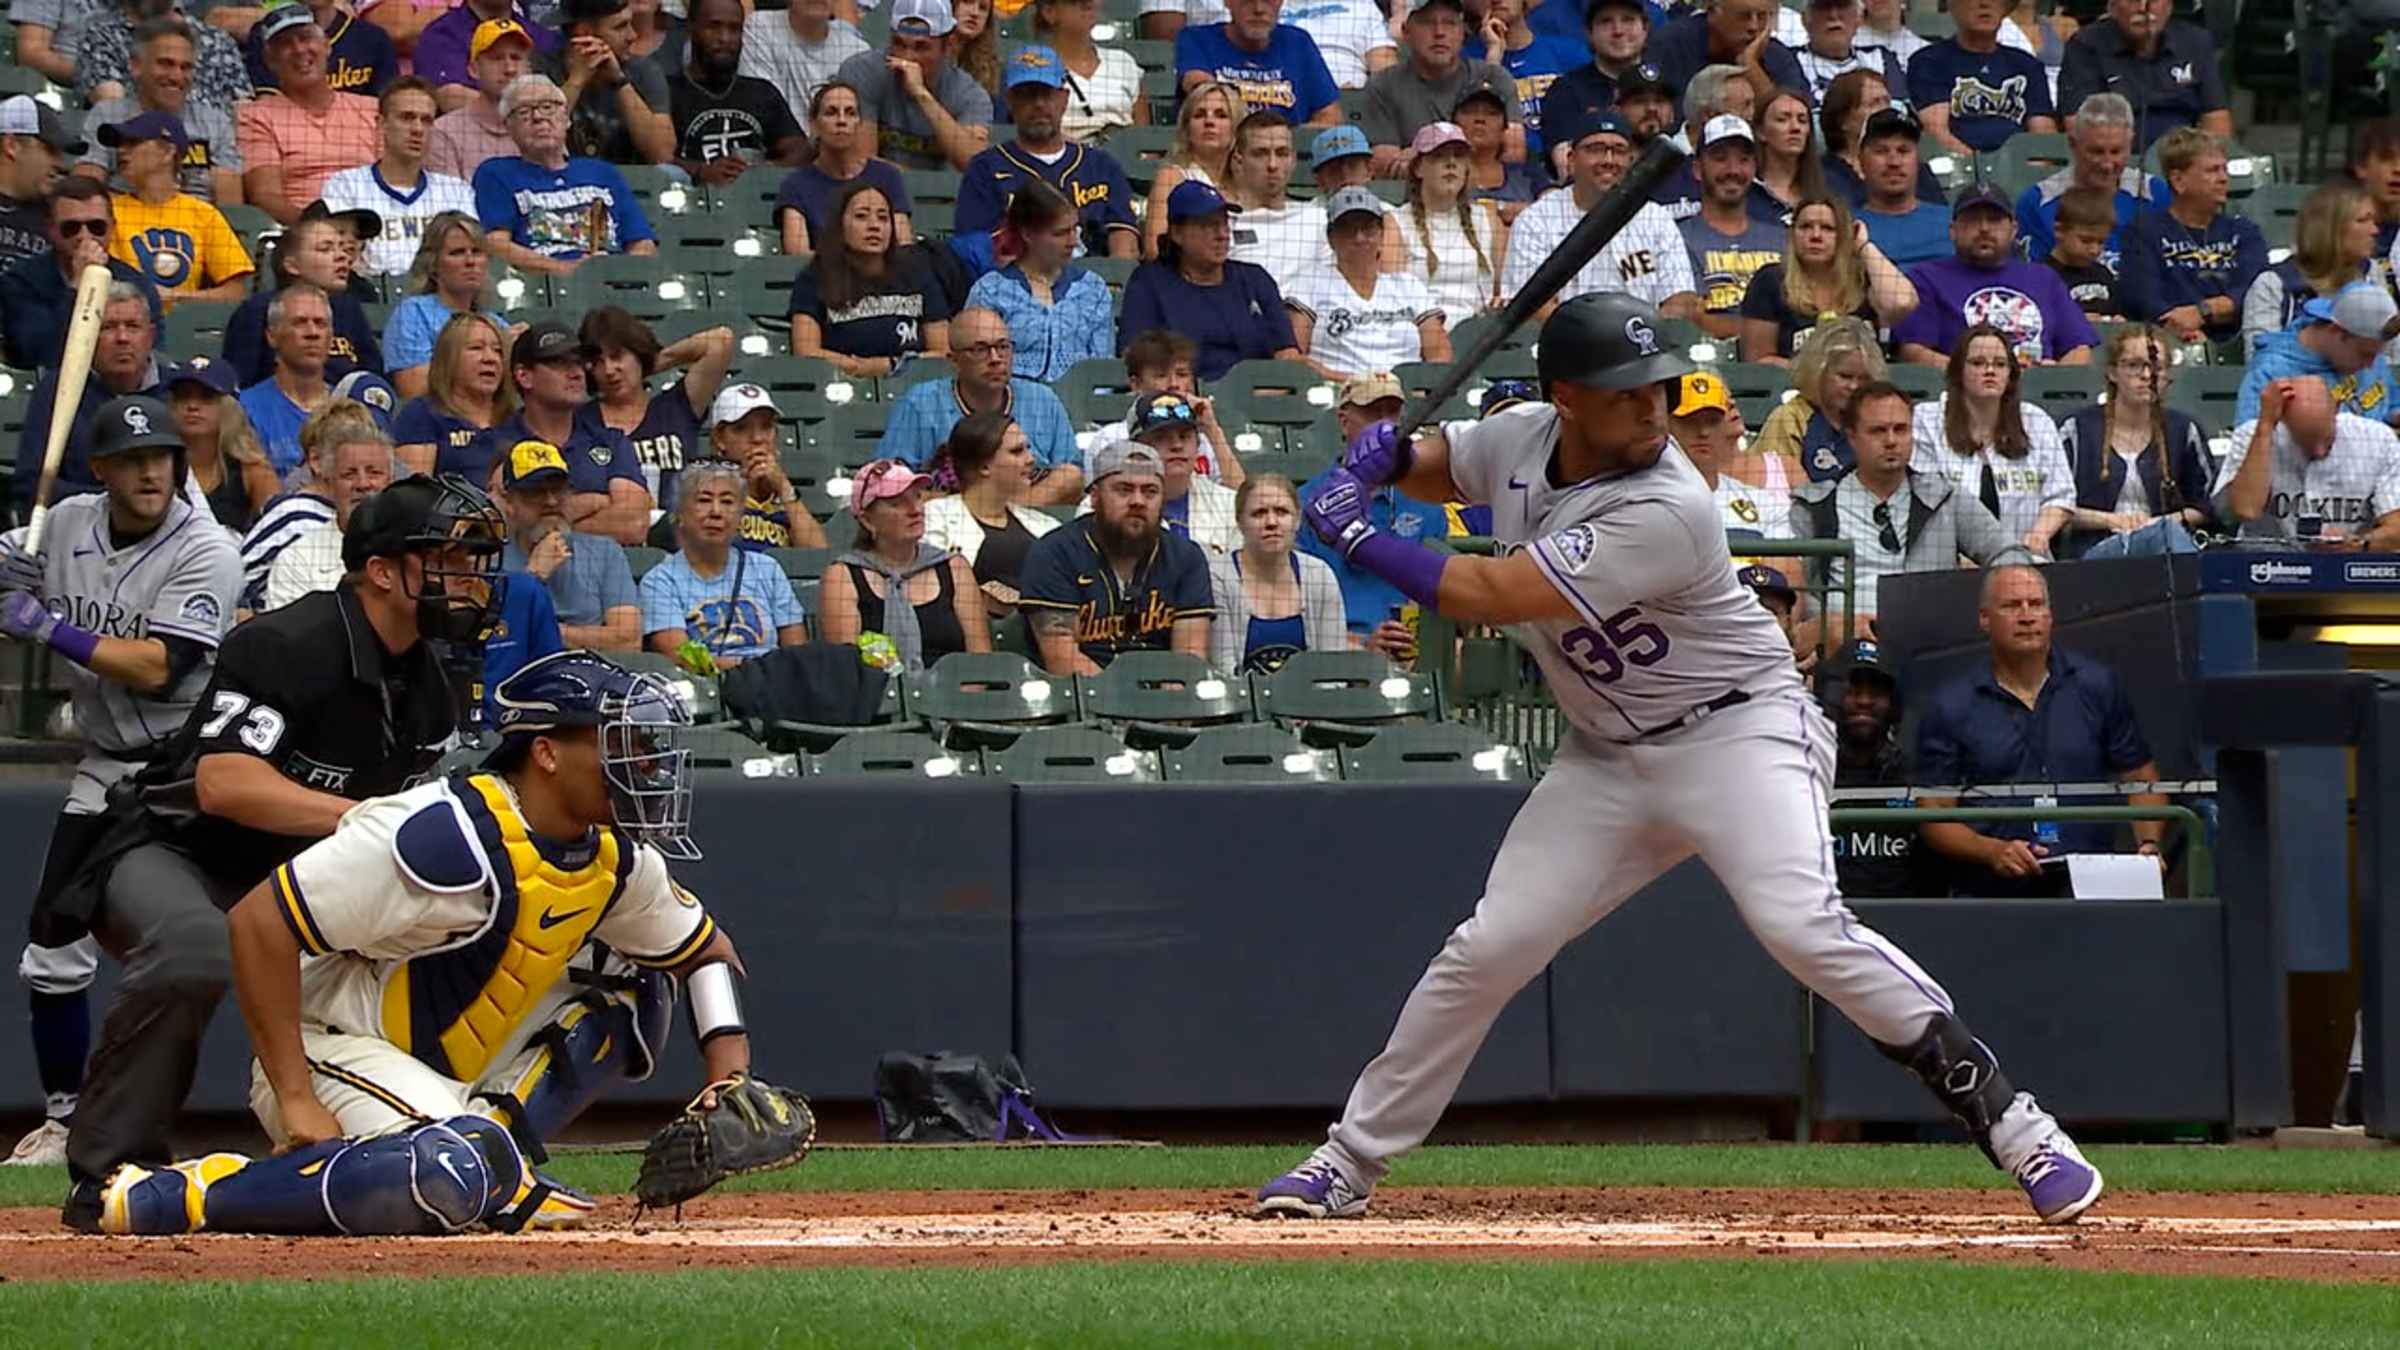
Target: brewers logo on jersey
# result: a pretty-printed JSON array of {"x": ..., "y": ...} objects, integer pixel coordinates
[{"x": 181, "y": 244}]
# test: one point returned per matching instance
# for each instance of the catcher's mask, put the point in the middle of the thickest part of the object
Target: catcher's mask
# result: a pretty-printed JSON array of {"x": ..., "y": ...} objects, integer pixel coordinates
[{"x": 641, "y": 725}]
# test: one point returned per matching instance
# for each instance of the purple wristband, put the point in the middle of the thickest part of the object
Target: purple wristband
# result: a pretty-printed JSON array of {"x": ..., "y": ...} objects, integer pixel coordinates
[
  {"x": 1415, "y": 569},
  {"x": 75, "y": 644}
]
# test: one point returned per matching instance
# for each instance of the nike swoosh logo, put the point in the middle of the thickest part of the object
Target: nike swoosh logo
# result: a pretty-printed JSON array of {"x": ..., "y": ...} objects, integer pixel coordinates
[
  {"x": 551, "y": 919},
  {"x": 442, "y": 1156},
  {"x": 1083, "y": 581},
  {"x": 86, "y": 552},
  {"x": 1512, "y": 482}
]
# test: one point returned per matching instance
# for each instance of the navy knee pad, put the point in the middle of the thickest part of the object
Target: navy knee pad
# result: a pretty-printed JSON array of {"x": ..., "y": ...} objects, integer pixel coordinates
[{"x": 422, "y": 1181}]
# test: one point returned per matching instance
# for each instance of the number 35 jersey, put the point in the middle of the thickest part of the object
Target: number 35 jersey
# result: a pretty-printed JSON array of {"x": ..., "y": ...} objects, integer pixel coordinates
[{"x": 1662, "y": 625}]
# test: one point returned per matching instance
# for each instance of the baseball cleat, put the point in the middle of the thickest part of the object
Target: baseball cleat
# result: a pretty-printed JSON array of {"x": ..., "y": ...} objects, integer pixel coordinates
[
  {"x": 44, "y": 1146},
  {"x": 1314, "y": 1190},
  {"x": 2059, "y": 1181},
  {"x": 563, "y": 1207},
  {"x": 81, "y": 1212},
  {"x": 152, "y": 1201}
]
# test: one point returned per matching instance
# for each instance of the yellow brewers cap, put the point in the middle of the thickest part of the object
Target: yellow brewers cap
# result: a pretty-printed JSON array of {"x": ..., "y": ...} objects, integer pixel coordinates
[
  {"x": 529, "y": 460},
  {"x": 491, "y": 31},
  {"x": 1700, "y": 391}
]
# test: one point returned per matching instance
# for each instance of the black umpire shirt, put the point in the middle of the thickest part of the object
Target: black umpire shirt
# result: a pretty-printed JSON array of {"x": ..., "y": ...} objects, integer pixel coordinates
[{"x": 310, "y": 689}]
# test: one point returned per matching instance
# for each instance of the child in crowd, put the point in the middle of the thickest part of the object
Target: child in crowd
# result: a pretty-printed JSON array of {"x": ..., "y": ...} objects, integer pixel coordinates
[{"x": 2086, "y": 216}]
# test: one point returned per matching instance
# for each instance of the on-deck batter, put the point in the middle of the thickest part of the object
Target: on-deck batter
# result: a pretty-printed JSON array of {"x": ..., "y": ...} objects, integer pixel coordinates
[{"x": 1674, "y": 683}]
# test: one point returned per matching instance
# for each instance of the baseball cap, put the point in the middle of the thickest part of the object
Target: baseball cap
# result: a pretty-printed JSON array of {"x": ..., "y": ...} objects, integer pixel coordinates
[
  {"x": 2362, "y": 309},
  {"x": 365, "y": 223},
  {"x": 1163, "y": 410},
  {"x": 1597, "y": 5},
  {"x": 1866, "y": 655},
  {"x": 372, "y": 392},
  {"x": 1888, "y": 122},
  {"x": 201, "y": 370},
  {"x": 1644, "y": 78},
  {"x": 1431, "y": 137},
  {"x": 1699, "y": 392},
  {"x": 1416, "y": 7},
  {"x": 1766, "y": 581},
  {"x": 546, "y": 341},
  {"x": 1351, "y": 201},
  {"x": 923, "y": 17},
  {"x": 1360, "y": 391},
  {"x": 491, "y": 31},
  {"x": 133, "y": 422},
  {"x": 1126, "y": 457},
  {"x": 1193, "y": 199},
  {"x": 282, "y": 19},
  {"x": 737, "y": 401},
  {"x": 531, "y": 462},
  {"x": 149, "y": 126},
  {"x": 24, "y": 115},
  {"x": 1036, "y": 65},
  {"x": 1980, "y": 191},
  {"x": 883, "y": 480},
  {"x": 1501, "y": 395},
  {"x": 1597, "y": 122},
  {"x": 1725, "y": 127},
  {"x": 1336, "y": 143}
]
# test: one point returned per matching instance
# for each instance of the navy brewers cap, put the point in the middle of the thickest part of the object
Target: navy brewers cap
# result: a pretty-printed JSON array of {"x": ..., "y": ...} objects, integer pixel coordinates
[
  {"x": 149, "y": 126},
  {"x": 1643, "y": 79},
  {"x": 200, "y": 370},
  {"x": 1981, "y": 191}
]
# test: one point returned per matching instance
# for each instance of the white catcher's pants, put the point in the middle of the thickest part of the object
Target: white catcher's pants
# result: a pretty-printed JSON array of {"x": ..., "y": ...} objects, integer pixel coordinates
[{"x": 1747, "y": 789}]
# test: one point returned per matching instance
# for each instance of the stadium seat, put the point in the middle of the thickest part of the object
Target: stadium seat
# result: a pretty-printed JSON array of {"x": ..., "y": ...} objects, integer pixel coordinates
[
  {"x": 802, "y": 565},
  {"x": 930, "y": 185},
  {"x": 2276, "y": 208},
  {"x": 1173, "y": 687},
  {"x": 1148, "y": 53},
  {"x": 196, "y": 328},
  {"x": 1249, "y": 755},
  {"x": 1115, "y": 271},
  {"x": 661, "y": 193},
  {"x": 1332, "y": 695},
  {"x": 726, "y": 748},
  {"x": 1274, "y": 393},
  {"x": 1094, "y": 391},
  {"x": 750, "y": 199},
  {"x": 250, "y": 224},
  {"x": 988, "y": 699},
  {"x": 899, "y": 753},
  {"x": 2207, "y": 395},
  {"x": 764, "y": 296},
  {"x": 934, "y": 220},
  {"x": 2060, "y": 391},
  {"x": 641, "y": 560},
  {"x": 817, "y": 738},
  {"x": 1141, "y": 150},
  {"x": 812, "y": 471},
  {"x": 1440, "y": 752},
  {"x": 914, "y": 372},
  {"x": 1470, "y": 331},
  {"x": 646, "y": 288},
  {"x": 698, "y": 693},
  {"x": 841, "y": 528},
  {"x": 2024, "y": 160},
  {"x": 1921, "y": 382},
  {"x": 1757, "y": 388},
  {"x": 849, "y": 437},
  {"x": 805, "y": 388},
  {"x": 1158, "y": 86},
  {"x": 1073, "y": 755}
]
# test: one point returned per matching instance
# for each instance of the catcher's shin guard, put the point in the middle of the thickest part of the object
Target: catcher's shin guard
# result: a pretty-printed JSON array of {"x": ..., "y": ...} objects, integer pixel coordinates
[
  {"x": 1962, "y": 1072},
  {"x": 425, "y": 1179},
  {"x": 599, "y": 1042}
]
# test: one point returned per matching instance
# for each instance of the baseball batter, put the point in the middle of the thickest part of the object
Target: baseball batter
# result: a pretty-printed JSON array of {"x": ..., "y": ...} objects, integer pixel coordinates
[
  {"x": 1675, "y": 683},
  {"x": 134, "y": 587}
]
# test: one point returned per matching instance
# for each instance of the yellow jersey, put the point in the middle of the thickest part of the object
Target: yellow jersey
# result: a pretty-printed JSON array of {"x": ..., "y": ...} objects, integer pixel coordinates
[{"x": 181, "y": 244}]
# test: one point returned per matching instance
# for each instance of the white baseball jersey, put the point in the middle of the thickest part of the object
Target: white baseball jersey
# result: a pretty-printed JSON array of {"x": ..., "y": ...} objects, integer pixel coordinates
[
  {"x": 1646, "y": 259},
  {"x": 1345, "y": 31},
  {"x": 2026, "y": 487},
  {"x": 404, "y": 214},
  {"x": 1286, "y": 241},
  {"x": 2353, "y": 486},
  {"x": 1360, "y": 334},
  {"x": 1662, "y": 626},
  {"x": 180, "y": 580}
]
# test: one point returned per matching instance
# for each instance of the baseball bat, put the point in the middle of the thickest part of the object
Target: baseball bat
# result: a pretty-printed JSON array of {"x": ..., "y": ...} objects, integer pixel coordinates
[
  {"x": 74, "y": 371},
  {"x": 1599, "y": 225}
]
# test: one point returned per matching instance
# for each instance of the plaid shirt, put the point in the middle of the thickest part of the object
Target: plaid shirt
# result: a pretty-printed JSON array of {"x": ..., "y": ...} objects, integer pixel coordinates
[{"x": 101, "y": 44}]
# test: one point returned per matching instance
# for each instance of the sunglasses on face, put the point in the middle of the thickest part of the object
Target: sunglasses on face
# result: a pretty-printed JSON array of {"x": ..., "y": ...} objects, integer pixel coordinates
[
  {"x": 98, "y": 229},
  {"x": 1885, "y": 535}
]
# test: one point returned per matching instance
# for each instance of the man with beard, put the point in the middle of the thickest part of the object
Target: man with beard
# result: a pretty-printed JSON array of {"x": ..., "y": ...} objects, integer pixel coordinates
[
  {"x": 1113, "y": 582},
  {"x": 1647, "y": 258},
  {"x": 725, "y": 121},
  {"x": 1727, "y": 240},
  {"x": 1874, "y": 862},
  {"x": 591, "y": 583},
  {"x": 1986, "y": 282},
  {"x": 1085, "y": 175}
]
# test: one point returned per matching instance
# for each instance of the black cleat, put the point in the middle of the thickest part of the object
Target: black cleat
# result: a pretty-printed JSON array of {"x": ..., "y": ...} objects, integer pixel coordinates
[{"x": 81, "y": 1212}]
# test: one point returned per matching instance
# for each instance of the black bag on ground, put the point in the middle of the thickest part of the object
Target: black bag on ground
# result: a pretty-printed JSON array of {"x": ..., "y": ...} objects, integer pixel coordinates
[{"x": 942, "y": 1098}]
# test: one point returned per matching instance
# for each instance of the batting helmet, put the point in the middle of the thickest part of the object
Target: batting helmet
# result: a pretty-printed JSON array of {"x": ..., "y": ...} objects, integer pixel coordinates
[
  {"x": 1607, "y": 340},
  {"x": 133, "y": 422},
  {"x": 640, "y": 720}
]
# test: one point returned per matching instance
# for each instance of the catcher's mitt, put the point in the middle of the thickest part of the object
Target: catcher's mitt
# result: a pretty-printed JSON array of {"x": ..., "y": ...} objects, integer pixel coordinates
[{"x": 754, "y": 1126}]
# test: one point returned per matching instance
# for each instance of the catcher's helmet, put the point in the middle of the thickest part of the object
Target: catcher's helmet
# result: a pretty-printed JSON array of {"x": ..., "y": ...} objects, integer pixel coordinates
[
  {"x": 640, "y": 720},
  {"x": 427, "y": 515},
  {"x": 1608, "y": 340}
]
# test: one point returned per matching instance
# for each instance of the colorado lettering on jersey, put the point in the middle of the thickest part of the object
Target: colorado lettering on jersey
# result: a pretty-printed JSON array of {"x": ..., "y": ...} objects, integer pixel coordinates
[
  {"x": 569, "y": 219},
  {"x": 167, "y": 257},
  {"x": 108, "y": 618},
  {"x": 2330, "y": 509},
  {"x": 2006, "y": 100}
]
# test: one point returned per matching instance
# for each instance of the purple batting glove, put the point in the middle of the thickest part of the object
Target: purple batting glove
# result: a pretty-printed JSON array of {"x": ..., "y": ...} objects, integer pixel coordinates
[
  {"x": 19, "y": 570},
  {"x": 1378, "y": 456},
  {"x": 1338, "y": 512},
  {"x": 23, "y": 616}
]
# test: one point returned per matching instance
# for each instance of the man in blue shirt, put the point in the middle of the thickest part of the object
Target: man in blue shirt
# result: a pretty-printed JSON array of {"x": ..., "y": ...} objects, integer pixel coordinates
[
  {"x": 1617, "y": 31},
  {"x": 1115, "y": 581},
  {"x": 2036, "y": 715},
  {"x": 608, "y": 492},
  {"x": 544, "y": 211},
  {"x": 1537, "y": 60},
  {"x": 984, "y": 353},
  {"x": 2099, "y": 155},
  {"x": 37, "y": 292},
  {"x": 1907, "y": 229},
  {"x": 1275, "y": 66},
  {"x": 1729, "y": 33},
  {"x": 589, "y": 580},
  {"x": 2188, "y": 267},
  {"x": 300, "y": 331},
  {"x": 1087, "y": 176},
  {"x": 525, "y": 630},
  {"x": 2338, "y": 340},
  {"x": 1971, "y": 92}
]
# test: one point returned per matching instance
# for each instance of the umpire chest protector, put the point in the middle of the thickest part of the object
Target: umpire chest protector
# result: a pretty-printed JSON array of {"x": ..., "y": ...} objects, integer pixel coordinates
[{"x": 458, "y": 1007}]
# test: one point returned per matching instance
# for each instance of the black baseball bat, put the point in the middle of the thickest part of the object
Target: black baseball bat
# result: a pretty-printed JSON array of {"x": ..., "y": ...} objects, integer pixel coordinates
[{"x": 1602, "y": 223}]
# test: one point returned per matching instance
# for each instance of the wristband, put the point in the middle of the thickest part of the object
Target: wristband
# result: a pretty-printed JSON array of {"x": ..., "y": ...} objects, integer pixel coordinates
[
  {"x": 75, "y": 644},
  {"x": 1415, "y": 569},
  {"x": 716, "y": 1002}
]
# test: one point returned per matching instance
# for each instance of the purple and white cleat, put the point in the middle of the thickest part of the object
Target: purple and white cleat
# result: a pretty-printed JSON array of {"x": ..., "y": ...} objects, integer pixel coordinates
[
  {"x": 1315, "y": 1189},
  {"x": 2058, "y": 1180}
]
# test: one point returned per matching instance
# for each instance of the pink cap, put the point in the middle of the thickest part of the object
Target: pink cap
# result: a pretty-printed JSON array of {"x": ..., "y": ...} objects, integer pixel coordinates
[
  {"x": 1434, "y": 135},
  {"x": 881, "y": 481}
]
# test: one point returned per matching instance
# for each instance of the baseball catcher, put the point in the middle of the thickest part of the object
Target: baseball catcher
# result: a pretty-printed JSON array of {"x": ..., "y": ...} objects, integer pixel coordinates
[{"x": 461, "y": 968}]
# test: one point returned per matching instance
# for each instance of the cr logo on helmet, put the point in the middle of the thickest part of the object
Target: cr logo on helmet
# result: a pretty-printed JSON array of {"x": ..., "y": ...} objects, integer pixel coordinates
[{"x": 1637, "y": 332}]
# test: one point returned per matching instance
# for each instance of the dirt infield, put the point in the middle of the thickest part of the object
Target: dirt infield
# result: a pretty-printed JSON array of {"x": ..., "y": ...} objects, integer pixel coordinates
[{"x": 2312, "y": 1237}]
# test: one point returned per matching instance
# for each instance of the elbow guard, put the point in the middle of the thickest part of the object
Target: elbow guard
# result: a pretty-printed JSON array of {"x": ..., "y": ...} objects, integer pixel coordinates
[{"x": 715, "y": 1002}]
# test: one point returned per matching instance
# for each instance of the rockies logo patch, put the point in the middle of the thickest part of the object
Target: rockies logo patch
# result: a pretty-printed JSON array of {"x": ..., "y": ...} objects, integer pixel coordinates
[
  {"x": 137, "y": 421},
  {"x": 203, "y": 609},
  {"x": 1575, "y": 545}
]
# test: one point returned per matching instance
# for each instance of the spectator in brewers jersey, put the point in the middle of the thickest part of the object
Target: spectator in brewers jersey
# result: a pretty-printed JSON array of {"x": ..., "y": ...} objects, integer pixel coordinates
[
  {"x": 181, "y": 243},
  {"x": 163, "y": 60},
  {"x": 921, "y": 110},
  {"x": 2142, "y": 50},
  {"x": 1995, "y": 446},
  {"x": 1728, "y": 242},
  {"x": 616, "y": 106},
  {"x": 726, "y": 122},
  {"x": 1057, "y": 313},
  {"x": 1233, "y": 310},
  {"x": 1646, "y": 259},
  {"x": 2187, "y": 267},
  {"x": 1202, "y": 150},
  {"x": 1090, "y": 178},
  {"x": 37, "y": 292},
  {"x": 397, "y": 189},
  {"x": 317, "y": 251},
  {"x": 1718, "y": 91},
  {"x": 590, "y": 583},
  {"x": 132, "y": 591},
  {"x": 544, "y": 210},
  {"x": 2333, "y": 244},
  {"x": 1830, "y": 267},
  {"x": 293, "y": 143},
  {"x": 1276, "y": 67},
  {"x": 731, "y": 601},
  {"x": 863, "y": 302},
  {"x": 744, "y": 428},
  {"x": 2339, "y": 340},
  {"x": 1426, "y": 86},
  {"x": 1114, "y": 581},
  {"x": 471, "y": 129},
  {"x": 2303, "y": 472},
  {"x": 1354, "y": 318},
  {"x": 1987, "y": 283},
  {"x": 610, "y": 495},
  {"x": 1972, "y": 91},
  {"x": 798, "y": 49},
  {"x": 466, "y": 389},
  {"x": 2099, "y": 155},
  {"x": 360, "y": 57},
  {"x": 845, "y": 154},
  {"x": 624, "y": 355}
]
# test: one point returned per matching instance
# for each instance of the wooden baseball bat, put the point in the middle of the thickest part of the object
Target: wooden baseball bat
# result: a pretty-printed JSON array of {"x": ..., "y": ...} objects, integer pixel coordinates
[
  {"x": 74, "y": 371},
  {"x": 1602, "y": 223}
]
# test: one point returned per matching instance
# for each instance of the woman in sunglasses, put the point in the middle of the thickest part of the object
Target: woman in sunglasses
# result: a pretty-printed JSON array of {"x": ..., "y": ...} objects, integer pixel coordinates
[{"x": 1995, "y": 447}]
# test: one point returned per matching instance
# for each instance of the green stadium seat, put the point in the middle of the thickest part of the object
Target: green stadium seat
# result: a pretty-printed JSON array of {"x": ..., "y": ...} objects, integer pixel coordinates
[
  {"x": 1333, "y": 695},
  {"x": 1439, "y": 752},
  {"x": 1148, "y": 53},
  {"x": 1470, "y": 332},
  {"x": 1921, "y": 382},
  {"x": 2060, "y": 390},
  {"x": 646, "y": 288},
  {"x": 817, "y": 738},
  {"x": 698, "y": 693},
  {"x": 2207, "y": 395},
  {"x": 641, "y": 560},
  {"x": 765, "y": 298},
  {"x": 2024, "y": 160},
  {"x": 800, "y": 565},
  {"x": 988, "y": 699},
  {"x": 250, "y": 225},
  {"x": 894, "y": 754},
  {"x": 1757, "y": 388},
  {"x": 930, "y": 185},
  {"x": 1172, "y": 687},
  {"x": 1094, "y": 391},
  {"x": 851, "y": 437},
  {"x": 1158, "y": 86},
  {"x": 1241, "y": 754},
  {"x": 2276, "y": 208},
  {"x": 914, "y": 372},
  {"x": 1141, "y": 150},
  {"x": 197, "y": 328},
  {"x": 1115, "y": 271},
  {"x": 662, "y": 193},
  {"x": 1275, "y": 393},
  {"x": 806, "y": 388},
  {"x": 934, "y": 220},
  {"x": 719, "y": 245},
  {"x": 748, "y": 342},
  {"x": 750, "y": 199},
  {"x": 1073, "y": 755}
]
